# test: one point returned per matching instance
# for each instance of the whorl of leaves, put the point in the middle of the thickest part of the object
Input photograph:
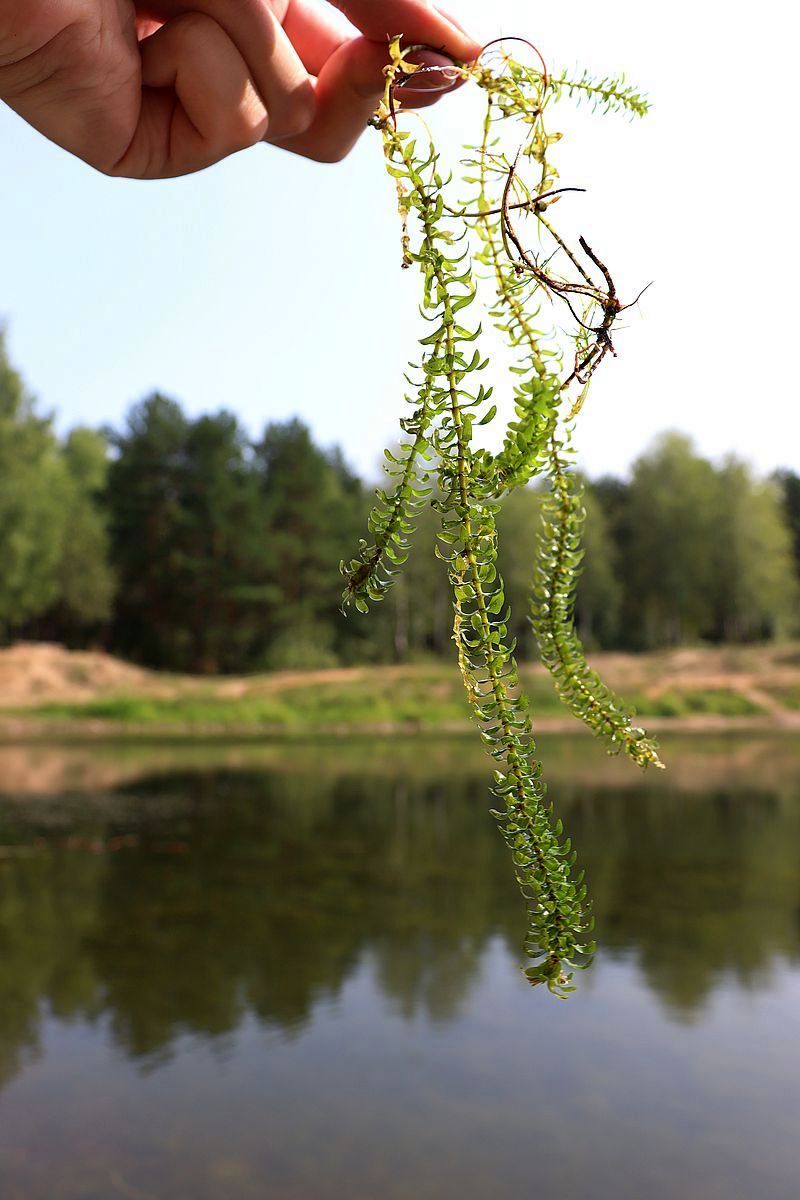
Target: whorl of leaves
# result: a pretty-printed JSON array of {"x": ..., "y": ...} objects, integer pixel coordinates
[
  {"x": 556, "y": 575},
  {"x": 612, "y": 94},
  {"x": 372, "y": 573},
  {"x": 438, "y": 441}
]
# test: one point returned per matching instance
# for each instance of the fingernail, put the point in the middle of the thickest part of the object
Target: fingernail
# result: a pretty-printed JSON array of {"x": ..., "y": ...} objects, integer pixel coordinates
[{"x": 437, "y": 73}]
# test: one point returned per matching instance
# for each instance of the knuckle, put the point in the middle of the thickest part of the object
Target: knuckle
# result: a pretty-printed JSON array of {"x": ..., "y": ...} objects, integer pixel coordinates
[
  {"x": 297, "y": 116},
  {"x": 247, "y": 125},
  {"x": 198, "y": 28}
]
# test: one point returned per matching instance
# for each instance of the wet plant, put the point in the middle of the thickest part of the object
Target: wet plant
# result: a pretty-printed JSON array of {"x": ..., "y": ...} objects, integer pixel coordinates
[{"x": 487, "y": 231}]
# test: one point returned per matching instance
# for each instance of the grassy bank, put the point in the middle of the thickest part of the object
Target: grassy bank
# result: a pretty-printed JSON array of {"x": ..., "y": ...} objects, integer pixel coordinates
[
  {"x": 427, "y": 699},
  {"x": 50, "y": 688}
]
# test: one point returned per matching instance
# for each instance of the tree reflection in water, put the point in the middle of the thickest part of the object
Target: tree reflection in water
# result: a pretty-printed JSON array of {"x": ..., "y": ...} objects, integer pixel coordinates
[{"x": 181, "y": 902}]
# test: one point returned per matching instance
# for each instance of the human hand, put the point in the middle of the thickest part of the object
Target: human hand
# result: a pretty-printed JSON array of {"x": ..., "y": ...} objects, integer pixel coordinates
[{"x": 159, "y": 88}]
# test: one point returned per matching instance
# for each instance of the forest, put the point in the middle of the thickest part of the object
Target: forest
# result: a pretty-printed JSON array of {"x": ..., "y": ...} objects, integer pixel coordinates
[{"x": 180, "y": 543}]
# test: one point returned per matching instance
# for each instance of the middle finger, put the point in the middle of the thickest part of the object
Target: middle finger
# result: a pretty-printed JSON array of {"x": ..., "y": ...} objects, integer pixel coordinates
[{"x": 274, "y": 65}]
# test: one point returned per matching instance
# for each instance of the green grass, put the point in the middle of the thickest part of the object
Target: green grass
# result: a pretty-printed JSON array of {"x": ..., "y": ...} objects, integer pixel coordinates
[
  {"x": 722, "y": 702},
  {"x": 787, "y": 695},
  {"x": 183, "y": 710},
  {"x": 372, "y": 701},
  {"x": 422, "y": 698}
]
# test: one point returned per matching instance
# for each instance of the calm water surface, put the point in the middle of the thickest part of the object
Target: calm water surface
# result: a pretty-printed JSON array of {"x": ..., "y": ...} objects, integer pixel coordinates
[{"x": 297, "y": 978}]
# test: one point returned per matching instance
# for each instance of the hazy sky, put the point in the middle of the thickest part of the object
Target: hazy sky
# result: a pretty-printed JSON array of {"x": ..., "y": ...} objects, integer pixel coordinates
[{"x": 271, "y": 286}]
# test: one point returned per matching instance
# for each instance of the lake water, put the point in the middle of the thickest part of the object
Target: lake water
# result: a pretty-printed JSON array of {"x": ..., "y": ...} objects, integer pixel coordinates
[{"x": 294, "y": 974}]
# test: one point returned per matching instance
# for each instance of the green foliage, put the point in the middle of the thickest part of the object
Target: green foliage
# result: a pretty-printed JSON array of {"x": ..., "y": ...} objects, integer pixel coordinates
[
  {"x": 264, "y": 561},
  {"x": 86, "y": 579},
  {"x": 185, "y": 538},
  {"x": 33, "y": 488},
  {"x": 177, "y": 491},
  {"x": 612, "y": 94},
  {"x": 372, "y": 573},
  {"x": 470, "y": 482},
  {"x": 756, "y": 593},
  {"x": 312, "y": 507},
  {"x": 223, "y": 548},
  {"x": 788, "y": 485},
  {"x": 730, "y": 574},
  {"x": 302, "y": 647},
  {"x": 688, "y": 701},
  {"x": 598, "y": 592},
  {"x": 553, "y": 601},
  {"x": 672, "y": 504}
]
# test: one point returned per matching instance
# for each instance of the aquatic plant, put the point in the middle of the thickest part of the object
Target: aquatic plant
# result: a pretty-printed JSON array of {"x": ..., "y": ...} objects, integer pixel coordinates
[{"x": 499, "y": 242}]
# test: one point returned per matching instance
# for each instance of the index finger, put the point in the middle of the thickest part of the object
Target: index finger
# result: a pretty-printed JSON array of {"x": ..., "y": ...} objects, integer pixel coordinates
[{"x": 416, "y": 20}]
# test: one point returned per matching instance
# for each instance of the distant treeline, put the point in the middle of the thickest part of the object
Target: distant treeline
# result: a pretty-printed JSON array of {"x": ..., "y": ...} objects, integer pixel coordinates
[{"x": 181, "y": 544}]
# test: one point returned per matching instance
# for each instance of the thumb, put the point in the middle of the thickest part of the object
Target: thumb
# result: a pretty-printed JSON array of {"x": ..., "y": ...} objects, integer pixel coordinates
[{"x": 416, "y": 20}]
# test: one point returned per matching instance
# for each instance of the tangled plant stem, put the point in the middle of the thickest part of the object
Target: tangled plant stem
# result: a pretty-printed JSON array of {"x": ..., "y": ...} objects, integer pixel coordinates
[{"x": 445, "y": 240}]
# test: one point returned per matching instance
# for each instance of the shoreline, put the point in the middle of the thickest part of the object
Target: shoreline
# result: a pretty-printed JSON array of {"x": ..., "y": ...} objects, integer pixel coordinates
[
  {"x": 24, "y": 729},
  {"x": 50, "y": 693}
]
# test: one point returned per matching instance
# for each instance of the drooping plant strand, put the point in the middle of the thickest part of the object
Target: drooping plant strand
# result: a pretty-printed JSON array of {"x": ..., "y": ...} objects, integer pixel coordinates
[
  {"x": 372, "y": 573},
  {"x": 537, "y": 441},
  {"x": 471, "y": 481},
  {"x": 552, "y": 617}
]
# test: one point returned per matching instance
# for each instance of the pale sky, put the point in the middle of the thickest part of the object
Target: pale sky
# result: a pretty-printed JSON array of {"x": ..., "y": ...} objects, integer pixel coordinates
[{"x": 270, "y": 286}]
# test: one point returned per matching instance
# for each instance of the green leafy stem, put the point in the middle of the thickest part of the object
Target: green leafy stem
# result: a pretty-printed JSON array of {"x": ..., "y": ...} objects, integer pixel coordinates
[{"x": 438, "y": 443}]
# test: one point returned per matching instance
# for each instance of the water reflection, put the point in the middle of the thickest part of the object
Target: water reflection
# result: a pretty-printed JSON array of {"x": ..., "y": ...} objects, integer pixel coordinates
[
  {"x": 247, "y": 975},
  {"x": 183, "y": 903}
]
